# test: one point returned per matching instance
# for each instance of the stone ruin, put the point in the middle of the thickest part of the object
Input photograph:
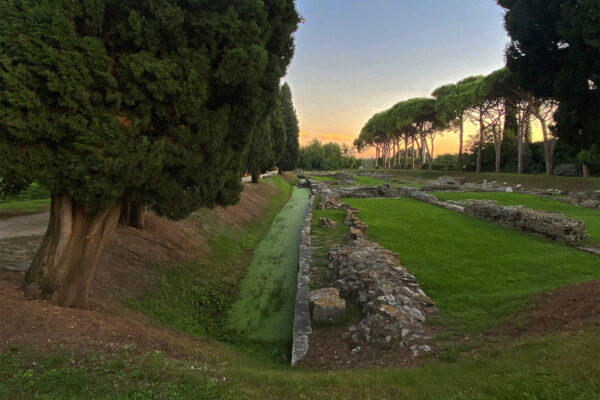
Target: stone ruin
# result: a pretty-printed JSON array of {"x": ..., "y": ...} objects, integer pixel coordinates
[
  {"x": 395, "y": 307},
  {"x": 344, "y": 178},
  {"x": 551, "y": 225},
  {"x": 326, "y": 222},
  {"x": 554, "y": 226},
  {"x": 326, "y": 305},
  {"x": 585, "y": 199},
  {"x": 329, "y": 203}
]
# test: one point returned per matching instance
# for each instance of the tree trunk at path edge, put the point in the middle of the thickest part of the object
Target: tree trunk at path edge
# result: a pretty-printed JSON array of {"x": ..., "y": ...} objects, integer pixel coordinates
[
  {"x": 460, "y": 144},
  {"x": 64, "y": 265},
  {"x": 586, "y": 170},
  {"x": 133, "y": 214},
  {"x": 480, "y": 147},
  {"x": 255, "y": 177},
  {"x": 279, "y": 171}
]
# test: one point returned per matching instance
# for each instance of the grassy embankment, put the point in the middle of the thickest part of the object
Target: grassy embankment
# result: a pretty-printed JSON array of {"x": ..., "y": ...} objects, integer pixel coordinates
[
  {"x": 196, "y": 296},
  {"x": 590, "y": 217},
  {"x": 559, "y": 366}
]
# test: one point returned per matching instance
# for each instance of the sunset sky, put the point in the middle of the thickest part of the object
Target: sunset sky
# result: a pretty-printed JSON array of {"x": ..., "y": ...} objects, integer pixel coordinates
[{"x": 358, "y": 57}]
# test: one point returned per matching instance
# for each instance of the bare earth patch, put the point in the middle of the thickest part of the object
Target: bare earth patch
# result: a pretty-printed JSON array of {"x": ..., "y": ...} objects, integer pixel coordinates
[
  {"x": 128, "y": 268},
  {"x": 569, "y": 308}
]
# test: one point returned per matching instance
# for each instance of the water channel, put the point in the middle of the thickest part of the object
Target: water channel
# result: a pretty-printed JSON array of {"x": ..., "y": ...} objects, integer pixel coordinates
[{"x": 265, "y": 309}]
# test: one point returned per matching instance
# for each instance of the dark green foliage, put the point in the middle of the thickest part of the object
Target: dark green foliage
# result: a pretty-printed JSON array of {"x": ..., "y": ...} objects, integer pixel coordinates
[
  {"x": 446, "y": 162},
  {"x": 151, "y": 100},
  {"x": 261, "y": 156},
  {"x": 554, "y": 51},
  {"x": 289, "y": 160},
  {"x": 329, "y": 156}
]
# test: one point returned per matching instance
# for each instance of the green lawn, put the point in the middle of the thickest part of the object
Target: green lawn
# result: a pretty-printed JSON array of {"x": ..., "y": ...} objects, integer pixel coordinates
[
  {"x": 323, "y": 178},
  {"x": 368, "y": 181},
  {"x": 479, "y": 274},
  {"x": 527, "y": 180},
  {"x": 590, "y": 217},
  {"x": 25, "y": 205}
]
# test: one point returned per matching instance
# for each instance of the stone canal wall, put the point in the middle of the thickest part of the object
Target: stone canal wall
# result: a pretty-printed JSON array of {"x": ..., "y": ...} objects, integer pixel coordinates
[{"x": 302, "y": 308}]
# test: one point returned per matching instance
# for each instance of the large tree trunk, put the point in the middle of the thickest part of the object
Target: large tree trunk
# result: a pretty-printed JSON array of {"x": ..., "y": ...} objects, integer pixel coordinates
[
  {"x": 64, "y": 265},
  {"x": 279, "y": 171},
  {"x": 133, "y": 214},
  {"x": 460, "y": 143},
  {"x": 480, "y": 146},
  {"x": 255, "y": 177},
  {"x": 586, "y": 170}
]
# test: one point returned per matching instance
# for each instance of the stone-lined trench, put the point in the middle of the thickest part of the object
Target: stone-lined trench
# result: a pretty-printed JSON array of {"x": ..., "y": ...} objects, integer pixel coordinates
[{"x": 265, "y": 309}]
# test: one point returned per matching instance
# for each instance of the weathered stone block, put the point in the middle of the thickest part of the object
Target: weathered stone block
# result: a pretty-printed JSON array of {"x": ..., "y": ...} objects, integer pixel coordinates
[
  {"x": 552, "y": 225},
  {"x": 326, "y": 222},
  {"x": 327, "y": 306}
]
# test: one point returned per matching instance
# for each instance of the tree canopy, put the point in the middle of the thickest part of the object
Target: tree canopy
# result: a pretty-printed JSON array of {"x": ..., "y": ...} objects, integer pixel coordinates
[
  {"x": 554, "y": 52},
  {"x": 152, "y": 100},
  {"x": 289, "y": 159}
]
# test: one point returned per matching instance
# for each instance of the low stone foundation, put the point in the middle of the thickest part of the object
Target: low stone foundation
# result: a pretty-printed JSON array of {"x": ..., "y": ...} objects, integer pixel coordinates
[
  {"x": 552, "y": 225},
  {"x": 394, "y": 305},
  {"x": 585, "y": 199}
]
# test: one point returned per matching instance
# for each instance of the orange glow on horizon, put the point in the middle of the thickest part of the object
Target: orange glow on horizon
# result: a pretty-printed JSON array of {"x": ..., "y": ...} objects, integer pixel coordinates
[{"x": 445, "y": 143}]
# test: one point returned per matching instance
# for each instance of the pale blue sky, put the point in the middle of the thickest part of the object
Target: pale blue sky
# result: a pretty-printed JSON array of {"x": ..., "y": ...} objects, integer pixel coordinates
[{"x": 357, "y": 57}]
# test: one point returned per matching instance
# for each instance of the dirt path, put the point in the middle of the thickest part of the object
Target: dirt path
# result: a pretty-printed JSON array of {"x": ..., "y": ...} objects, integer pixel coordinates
[
  {"x": 26, "y": 225},
  {"x": 20, "y": 238}
]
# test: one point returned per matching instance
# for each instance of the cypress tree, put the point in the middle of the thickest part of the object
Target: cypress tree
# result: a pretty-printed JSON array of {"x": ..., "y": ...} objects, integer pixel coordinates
[
  {"x": 289, "y": 160},
  {"x": 151, "y": 101}
]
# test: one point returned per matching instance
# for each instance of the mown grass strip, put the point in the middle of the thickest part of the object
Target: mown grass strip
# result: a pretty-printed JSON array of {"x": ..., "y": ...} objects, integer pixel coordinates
[
  {"x": 590, "y": 217},
  {"x": 478, "y": 273}
]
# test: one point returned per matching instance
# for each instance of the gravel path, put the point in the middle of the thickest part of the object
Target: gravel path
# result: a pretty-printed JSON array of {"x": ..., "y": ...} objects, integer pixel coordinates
[{"x": 26, "y": 225}]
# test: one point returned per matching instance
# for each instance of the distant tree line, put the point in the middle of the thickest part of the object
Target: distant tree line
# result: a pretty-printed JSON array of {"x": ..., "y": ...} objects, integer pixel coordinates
[
  {"x": 552, "y": 77},
  {"x": 328, "y": 156}
]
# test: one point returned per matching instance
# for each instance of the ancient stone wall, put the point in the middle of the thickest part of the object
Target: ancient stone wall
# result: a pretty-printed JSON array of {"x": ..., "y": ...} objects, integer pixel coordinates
[
  {"x": 552, "y": 225},
  {"x": 395, "y": 307},
  {"x": 302, "y": 326}
]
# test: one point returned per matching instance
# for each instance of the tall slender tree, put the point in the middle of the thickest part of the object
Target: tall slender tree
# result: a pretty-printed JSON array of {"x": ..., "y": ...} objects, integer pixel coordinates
[{"x": 289, "y": 160}]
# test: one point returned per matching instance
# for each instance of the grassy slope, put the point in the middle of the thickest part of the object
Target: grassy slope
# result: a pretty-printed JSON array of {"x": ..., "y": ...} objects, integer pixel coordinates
[
  {"x": 590, "y": 217},
  {"x": 194, "y": 297},
  {"x": 478, "y": 273},
  {"x": 559, "y": 367}
]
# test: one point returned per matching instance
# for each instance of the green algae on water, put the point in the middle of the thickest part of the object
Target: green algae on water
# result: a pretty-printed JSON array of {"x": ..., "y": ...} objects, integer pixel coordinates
[{"x": 265, "y": 308}]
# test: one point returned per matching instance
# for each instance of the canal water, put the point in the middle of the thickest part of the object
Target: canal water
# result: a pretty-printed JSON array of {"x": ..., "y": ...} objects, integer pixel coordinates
[{"x": 265, "y": 309}]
